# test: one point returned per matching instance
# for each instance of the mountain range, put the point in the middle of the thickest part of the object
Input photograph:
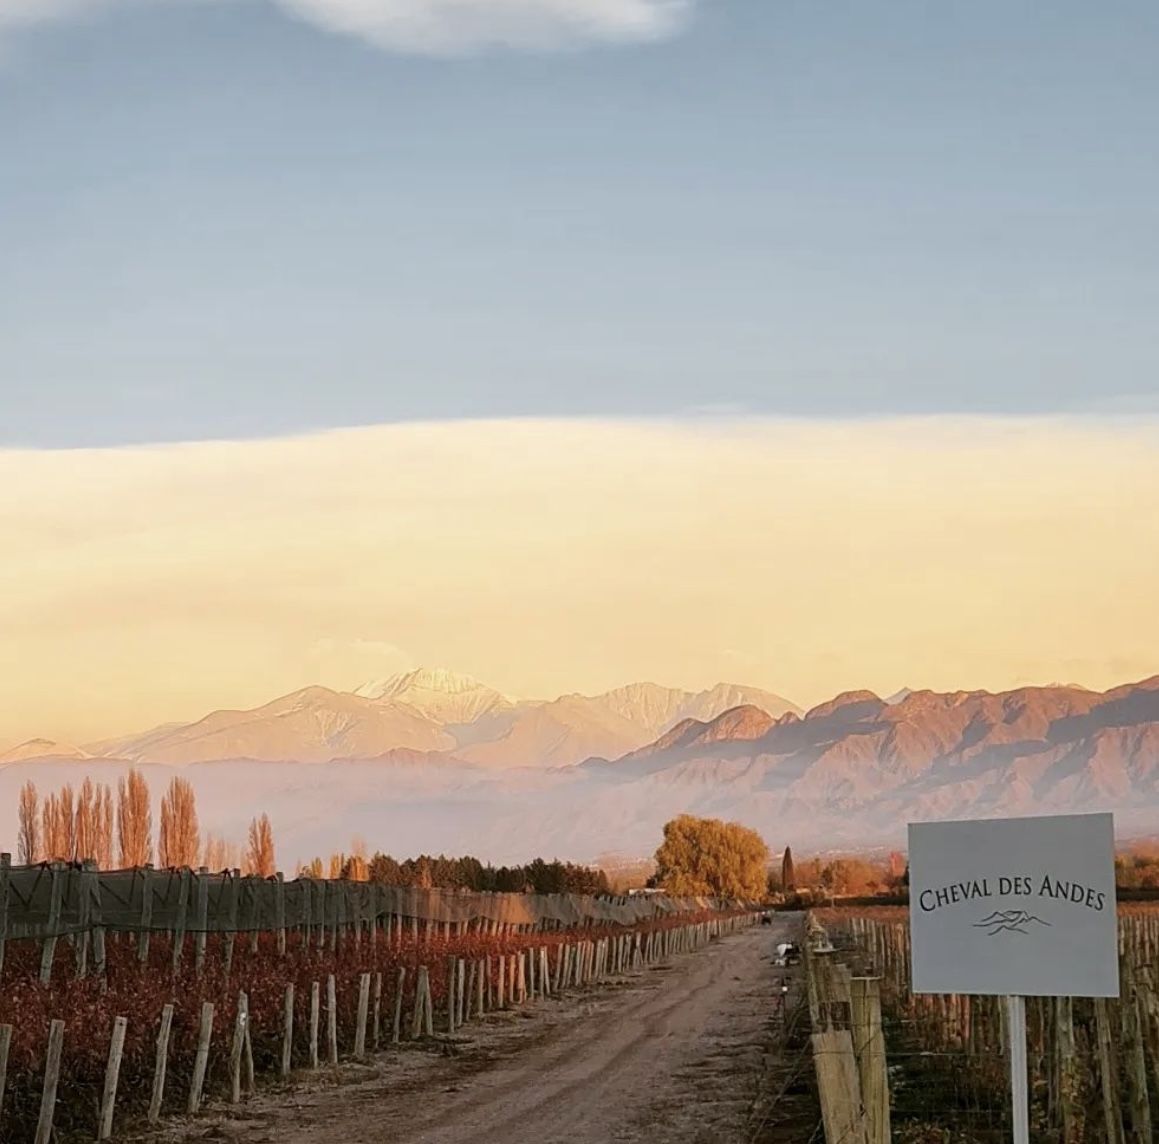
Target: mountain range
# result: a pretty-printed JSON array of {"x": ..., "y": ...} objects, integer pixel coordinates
[
  {"x": 424, "y": 710},
  {"x": 434, "y": 761}
]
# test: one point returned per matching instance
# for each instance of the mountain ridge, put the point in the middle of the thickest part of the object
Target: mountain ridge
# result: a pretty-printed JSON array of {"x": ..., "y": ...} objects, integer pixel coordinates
[
  {"x": 431, "y": 709},
  {"x": 849, "y": 773}
]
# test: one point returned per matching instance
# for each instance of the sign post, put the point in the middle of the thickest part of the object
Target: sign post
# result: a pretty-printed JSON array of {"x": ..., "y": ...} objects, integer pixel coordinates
[
  {"x": 1019, "y": 1090},
  {"x": 1015, "y": 907}
]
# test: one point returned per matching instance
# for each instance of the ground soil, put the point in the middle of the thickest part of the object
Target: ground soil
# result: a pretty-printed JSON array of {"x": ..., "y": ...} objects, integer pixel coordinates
[{"x": 694, "y": 1051}]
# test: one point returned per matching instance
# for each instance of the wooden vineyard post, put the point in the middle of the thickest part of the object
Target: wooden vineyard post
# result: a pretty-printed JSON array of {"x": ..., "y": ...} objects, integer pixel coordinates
[
  {"x": 396, "y": 1029},
  {"x": 280, "y": 912},
  {"x": 146, "y": 914},
  {"x": 51, "y": 1080},
  {"x": 869, "y": 1049},
  {"x": 112, "y": 1078},
  {"x": 183, "y": 877},
  {"x": 5, "y": 878},
  {"x": 315, "y": 1021},
  {"x": 5, "y": 1045},
  {"x": 451, "y": 996},
  {"x": 202, "y": 935},
  {"x": 48, "y": 949},
  {"x": 201, "y": 1061},
  {"x": 376, "y": 1022},
  {"x": 1066, "y": 1067},
  {"x": 161, "y": 1065},
  {"x": 332, "y": 1020},
  {"x": 460, "y": 996},
  {"x": 363, "y": 1015},
  {"x": 231, "y": 931},
  {"x": 838, "y": 1087},
  {"x": 1108, "y": 1073},
  {"x": 469, "y": 1011},
  {"x": 288, "y": 1030},
  {"x": 238, "y": 1048},
  {"x": 1138, "y": 1105}
]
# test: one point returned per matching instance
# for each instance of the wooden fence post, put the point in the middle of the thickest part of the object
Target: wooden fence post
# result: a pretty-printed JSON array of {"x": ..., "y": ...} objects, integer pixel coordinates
[
  {"x": 5, "y": 876},
  {"x": 1108, "y": 1073},
  {"x": 869, "y": 1049},
  {"x": 161, "y": 1065},
  {"x": 183, "y": 877},
  {"x": 201, "y": 1061},
  {"x": 396, "y": 1031},
  {"x": 332, "y": 1019},
  {"x": 5, "y": 1044},
  {"x": 51, "y": 1080},
  {"x": 146, "y": 914},
  {"x": 202, "y": 935},
  {"x": 376, "y": 1023},
  {"x": 363, "y": 1015},
  {"x": 315, "y": 1021},
  {"x": 48, "y": 948},
  {"x": 280, "y": 912},
  {"x": 238, "y": 1047},
  {"x": 112, "y": 1078},
  {"x": 288, "y": 1030}
]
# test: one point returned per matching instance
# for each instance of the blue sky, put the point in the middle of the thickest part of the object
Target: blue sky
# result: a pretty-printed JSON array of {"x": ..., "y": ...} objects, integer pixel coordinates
[{"x": 218, "y": 220}]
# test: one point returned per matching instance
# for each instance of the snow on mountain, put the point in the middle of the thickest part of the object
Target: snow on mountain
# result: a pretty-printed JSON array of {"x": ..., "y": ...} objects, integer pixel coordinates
[
  {"x": 657, "y": 709},
  {"x": 444, "y": 696},
  {"x": 851, "y": 772}
]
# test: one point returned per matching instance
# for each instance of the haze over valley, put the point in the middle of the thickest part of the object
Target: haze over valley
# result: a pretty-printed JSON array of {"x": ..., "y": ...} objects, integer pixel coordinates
[{"x": 430, "y": 761}]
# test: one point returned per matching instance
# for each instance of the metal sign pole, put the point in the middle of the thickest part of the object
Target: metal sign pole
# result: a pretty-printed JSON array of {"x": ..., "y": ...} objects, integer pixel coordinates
[{"x": 1020, "y": 1098}]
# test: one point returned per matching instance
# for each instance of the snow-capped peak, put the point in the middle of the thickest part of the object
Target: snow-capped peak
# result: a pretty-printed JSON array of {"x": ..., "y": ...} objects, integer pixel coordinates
[
  {"x": 446, "y": 696},
  {"x": 438, "y": 679}
]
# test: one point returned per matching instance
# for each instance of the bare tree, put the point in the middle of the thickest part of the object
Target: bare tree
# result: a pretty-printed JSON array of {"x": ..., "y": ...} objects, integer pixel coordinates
[
  {"x": 103, "y": 818},
  {"x": 260, "y": 853},
  {"x": 134, "y": 821},
  {"x": 29, "y": 840},
  {"x": 85, "y": 825},
  {"x": 180, "y": 840},
  {"x": 59, "y": 826},
  {"x": 220, "y": 854}
]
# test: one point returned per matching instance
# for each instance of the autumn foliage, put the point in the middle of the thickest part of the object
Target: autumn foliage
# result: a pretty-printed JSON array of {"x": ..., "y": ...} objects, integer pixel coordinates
[{"x": 711, "y": 858}]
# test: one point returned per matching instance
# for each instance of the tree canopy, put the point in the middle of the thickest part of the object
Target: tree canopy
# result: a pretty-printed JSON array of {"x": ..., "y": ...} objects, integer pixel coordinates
[{"x": 711, "y": 858}]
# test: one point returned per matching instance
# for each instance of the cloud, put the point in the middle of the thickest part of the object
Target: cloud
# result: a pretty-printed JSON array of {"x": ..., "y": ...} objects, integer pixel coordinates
[
  {"x": 453, "y": 27},
  {"x": 440, "y": 27}
]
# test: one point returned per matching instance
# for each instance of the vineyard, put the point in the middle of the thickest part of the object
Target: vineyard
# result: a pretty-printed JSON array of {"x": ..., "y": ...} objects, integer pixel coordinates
[
  {"x": 105, "y": 1021},
  {"x": 1093, "y": 1064}
]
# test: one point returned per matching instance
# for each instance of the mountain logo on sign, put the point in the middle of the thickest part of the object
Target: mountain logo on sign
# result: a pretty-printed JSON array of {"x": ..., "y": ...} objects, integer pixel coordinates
[{"x": 1009, "y": 921}]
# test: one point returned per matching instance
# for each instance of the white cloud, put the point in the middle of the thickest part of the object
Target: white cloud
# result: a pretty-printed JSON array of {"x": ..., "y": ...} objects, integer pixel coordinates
[
  {"x": 15, "y": 12},
  {"x": 441, "y": 27}
]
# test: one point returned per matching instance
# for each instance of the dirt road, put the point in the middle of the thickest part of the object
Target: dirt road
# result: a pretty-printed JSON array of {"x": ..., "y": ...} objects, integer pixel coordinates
[{"x": 674, "y": 1055}]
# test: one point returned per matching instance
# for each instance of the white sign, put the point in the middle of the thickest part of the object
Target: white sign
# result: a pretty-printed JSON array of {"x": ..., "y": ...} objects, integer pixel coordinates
[{"x": 1017, "y": 906}]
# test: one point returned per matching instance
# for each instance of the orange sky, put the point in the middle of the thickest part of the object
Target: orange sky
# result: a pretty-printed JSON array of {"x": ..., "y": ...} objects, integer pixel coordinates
[{"x": 143, "y": 585}]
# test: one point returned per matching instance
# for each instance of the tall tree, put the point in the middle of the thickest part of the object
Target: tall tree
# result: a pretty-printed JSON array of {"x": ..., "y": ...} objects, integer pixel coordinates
[
  {"x": 260, "y": 852},
  {"x": 788, "y": 874},
  {"x": 708, "y": 857},
  {"x": 179, "y": 843},
  {"x": 220, "y": 854},
  {"x": 103, "y": 822},
  {"x": 85, "y": 830},
  {"x": 29, "y": 840},
  {"x": 134, "y": 821},
  {"x": 58, "y": 822}
]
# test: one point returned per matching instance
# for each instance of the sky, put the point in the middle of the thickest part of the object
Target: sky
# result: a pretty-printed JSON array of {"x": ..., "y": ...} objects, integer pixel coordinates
[{"x": 569, "y": 342}]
